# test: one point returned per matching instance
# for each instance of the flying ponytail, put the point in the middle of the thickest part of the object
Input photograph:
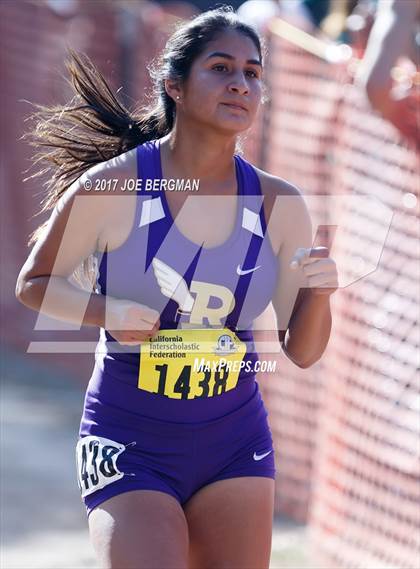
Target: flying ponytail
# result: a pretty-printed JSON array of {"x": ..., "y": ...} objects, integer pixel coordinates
[{"x": 92, "y": 128}]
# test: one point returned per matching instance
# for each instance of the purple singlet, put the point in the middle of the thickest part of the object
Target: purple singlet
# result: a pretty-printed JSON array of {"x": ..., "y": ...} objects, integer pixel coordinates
[{"x": 197, "y": 372}]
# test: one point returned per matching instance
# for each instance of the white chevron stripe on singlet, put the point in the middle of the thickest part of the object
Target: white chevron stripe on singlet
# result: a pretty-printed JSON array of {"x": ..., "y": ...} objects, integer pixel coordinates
[
  {"x": 151, "y": 210},
  {"x": 251, "y": 221}
]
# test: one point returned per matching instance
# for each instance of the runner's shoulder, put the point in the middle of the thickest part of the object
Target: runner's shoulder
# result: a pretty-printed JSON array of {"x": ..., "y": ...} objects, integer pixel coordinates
[
  {"x": 273, "y": 186},
  {"x": 103, "y": 175},
  {"x": 101, "y": 181},
  {"x": 285, "y": 202}
]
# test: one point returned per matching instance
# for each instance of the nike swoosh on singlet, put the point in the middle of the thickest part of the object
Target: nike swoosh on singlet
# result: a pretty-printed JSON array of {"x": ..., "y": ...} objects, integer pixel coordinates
[
  {"x": 260, "y": 456},
  {"x": 246, "y": 271}
]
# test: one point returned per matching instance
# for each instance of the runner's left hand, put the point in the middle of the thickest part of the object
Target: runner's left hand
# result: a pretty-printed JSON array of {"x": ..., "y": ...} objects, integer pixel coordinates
[{"x": 318, "y": 267}]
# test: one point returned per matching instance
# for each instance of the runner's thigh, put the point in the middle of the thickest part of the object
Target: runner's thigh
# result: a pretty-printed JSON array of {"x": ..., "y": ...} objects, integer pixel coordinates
[
  {"x": 230, "y": 524},
  {"x": 141, "y": 529}
]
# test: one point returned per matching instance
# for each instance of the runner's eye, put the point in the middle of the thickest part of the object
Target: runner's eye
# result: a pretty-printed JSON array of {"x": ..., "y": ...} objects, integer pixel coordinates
[
  {"x": 252, "y": 73},
  {"x": 219, "y": 66}
]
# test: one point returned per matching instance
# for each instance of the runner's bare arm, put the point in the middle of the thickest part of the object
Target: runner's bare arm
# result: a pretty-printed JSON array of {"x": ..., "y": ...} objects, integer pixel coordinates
[
  {"x": 296, "y": 228},
  {"x": 70, "y": 236},
  {"x": 289, "y": 227},
  {"x": 77, "y": 224}
]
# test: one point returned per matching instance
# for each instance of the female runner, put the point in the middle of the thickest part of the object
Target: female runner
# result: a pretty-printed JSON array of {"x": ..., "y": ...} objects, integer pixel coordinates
[{"x": 175, "y": 457}]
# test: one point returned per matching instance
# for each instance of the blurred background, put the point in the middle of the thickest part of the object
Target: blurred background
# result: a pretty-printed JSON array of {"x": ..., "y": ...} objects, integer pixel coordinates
[{"x": 342, "y": 121}]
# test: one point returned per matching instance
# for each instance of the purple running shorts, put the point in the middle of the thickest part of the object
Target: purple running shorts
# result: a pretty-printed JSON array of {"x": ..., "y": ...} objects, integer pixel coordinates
[{"x": 119, "y": 451}]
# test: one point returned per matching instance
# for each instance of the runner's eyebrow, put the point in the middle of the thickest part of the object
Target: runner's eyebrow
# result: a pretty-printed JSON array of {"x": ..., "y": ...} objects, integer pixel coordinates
[{"x": 228, "y": 56}]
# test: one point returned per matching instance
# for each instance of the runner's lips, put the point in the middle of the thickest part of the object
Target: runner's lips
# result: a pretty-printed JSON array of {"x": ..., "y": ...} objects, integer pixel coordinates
[{"x": 236, "y": 106}]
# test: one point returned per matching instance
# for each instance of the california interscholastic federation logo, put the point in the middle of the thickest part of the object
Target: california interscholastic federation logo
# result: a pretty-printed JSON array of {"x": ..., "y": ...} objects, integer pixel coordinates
[{"x": 225, "y": 345}]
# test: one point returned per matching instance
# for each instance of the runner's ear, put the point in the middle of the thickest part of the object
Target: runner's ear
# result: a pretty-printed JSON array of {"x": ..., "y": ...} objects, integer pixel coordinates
[{"x": 173, "y": 89}]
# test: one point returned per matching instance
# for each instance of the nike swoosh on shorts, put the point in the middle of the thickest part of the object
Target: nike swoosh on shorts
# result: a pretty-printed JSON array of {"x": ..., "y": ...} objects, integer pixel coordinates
[
  {"x": 246, "y": 271},
  {"x": 260, "y": 456}
]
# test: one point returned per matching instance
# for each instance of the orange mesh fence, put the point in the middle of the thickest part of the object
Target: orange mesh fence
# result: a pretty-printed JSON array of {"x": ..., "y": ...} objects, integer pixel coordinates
[
  {"x": 365, "y": 507},
  {"x": 347, "y": 429}
]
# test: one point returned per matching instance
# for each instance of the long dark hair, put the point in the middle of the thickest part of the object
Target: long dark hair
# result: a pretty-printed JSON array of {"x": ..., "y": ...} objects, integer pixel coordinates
[{"x": 95, "y": 126}]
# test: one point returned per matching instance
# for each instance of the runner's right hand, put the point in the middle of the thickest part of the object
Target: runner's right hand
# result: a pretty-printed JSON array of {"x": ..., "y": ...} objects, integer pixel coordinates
[{"x": 131, "y": 323}]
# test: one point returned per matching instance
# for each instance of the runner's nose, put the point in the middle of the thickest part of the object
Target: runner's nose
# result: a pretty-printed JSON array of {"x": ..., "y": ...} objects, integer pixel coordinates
[{"x": 239, "y": 85}]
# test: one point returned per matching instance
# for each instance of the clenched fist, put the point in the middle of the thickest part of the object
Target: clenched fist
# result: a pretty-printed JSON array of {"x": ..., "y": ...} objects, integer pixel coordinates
[
  {"x": 318, "y": 267},
  {"x": 131, "y": 323}
]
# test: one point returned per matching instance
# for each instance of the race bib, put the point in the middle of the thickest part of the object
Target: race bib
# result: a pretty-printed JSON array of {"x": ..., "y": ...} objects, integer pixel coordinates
[
  {"x": 96, "y": 459},
  {"x": 191, "y": 363}
]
